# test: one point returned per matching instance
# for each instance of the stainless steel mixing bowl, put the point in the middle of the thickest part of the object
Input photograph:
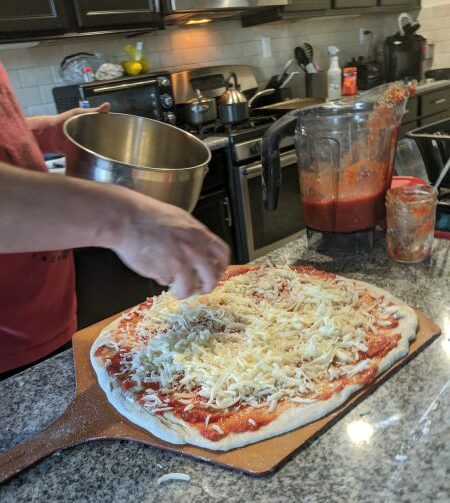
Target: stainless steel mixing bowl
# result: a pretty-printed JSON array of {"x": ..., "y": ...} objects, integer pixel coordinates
[{"x": 142, "y": 154}]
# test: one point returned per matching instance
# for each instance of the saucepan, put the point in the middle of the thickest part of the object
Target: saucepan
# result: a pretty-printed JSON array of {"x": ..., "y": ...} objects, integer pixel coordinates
[{"x": 149, "y": 156}]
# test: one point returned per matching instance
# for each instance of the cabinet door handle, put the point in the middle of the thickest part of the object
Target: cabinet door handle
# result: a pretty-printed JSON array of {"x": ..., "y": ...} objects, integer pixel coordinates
[
  {"x": 439, "y": 101},
  {"x": 228, "y": 217},
  {"x": 156, "y": 6}
]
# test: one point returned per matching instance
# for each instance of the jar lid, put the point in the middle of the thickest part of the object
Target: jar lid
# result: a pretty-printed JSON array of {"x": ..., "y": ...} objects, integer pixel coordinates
[{"x": 401, "y": 181}]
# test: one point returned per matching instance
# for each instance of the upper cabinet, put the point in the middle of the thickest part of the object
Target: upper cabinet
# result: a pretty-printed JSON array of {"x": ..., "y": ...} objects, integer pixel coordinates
[
  {"x": 21, "y": 16},
  {"x": 22, "y": 20},
  {"x": 100, "y": 13},
  {"x": 296, "y": 6},
  {"x": 297, "y": 9},
  {"x": 354, "y": 4}
]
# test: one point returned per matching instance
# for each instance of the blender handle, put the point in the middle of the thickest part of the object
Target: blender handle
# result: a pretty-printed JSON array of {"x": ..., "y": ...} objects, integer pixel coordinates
[{"x": 270, "y": 157}]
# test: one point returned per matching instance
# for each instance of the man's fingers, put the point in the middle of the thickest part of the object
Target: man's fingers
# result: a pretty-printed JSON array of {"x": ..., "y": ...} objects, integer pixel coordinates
[
  {"x": 207, "y": 266},
  {"x": 221, "y": 252},
  {"x": 104, "y": 107},
  {"x": 185, "y": 283}
]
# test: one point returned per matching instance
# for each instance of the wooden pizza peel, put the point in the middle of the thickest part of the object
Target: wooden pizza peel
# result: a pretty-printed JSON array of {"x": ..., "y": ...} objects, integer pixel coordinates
[{"x": 91, "y": 417}]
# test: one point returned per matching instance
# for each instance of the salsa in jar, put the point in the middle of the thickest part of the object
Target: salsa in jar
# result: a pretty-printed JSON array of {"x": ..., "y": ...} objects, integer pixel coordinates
[{"x": 410, "y": 218}]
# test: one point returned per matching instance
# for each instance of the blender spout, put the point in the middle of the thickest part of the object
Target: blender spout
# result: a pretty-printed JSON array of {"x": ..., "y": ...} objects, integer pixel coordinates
[{"x": 270, "y": 156}]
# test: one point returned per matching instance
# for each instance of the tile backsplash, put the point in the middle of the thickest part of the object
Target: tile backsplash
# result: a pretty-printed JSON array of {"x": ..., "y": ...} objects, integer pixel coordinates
[
  {"x": 34, "y": 71},
  {"x": 435, "y": 27}
]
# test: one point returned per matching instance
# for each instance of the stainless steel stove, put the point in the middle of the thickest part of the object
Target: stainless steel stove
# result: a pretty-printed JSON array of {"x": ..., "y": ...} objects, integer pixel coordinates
[{"x": 254, "y": 230}]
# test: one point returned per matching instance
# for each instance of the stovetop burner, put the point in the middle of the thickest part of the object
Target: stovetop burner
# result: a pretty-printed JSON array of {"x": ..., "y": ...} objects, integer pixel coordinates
[{"x": 252, "y": 128}]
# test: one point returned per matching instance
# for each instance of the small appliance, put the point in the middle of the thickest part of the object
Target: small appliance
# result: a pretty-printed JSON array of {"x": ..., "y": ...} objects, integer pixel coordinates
[
  {"x": 345, "y": 156},
  {"x": 147, "y": 95},
  {"x": 404, "y": 51}
]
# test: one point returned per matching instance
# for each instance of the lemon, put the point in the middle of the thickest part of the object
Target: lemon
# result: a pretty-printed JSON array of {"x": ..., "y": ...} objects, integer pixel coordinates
[{"x": 132, "y": 67}]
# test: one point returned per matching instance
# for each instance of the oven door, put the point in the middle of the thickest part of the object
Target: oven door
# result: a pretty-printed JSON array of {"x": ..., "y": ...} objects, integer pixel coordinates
[{"x": 261, "y": 231}]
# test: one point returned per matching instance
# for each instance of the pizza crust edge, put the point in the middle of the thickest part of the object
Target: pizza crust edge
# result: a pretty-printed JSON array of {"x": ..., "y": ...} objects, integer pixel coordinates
[{"x": 170, "y": 428}]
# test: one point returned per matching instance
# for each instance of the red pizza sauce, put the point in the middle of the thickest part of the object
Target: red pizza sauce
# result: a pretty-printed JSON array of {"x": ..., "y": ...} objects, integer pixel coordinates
[{"x": 344, "y": 215}]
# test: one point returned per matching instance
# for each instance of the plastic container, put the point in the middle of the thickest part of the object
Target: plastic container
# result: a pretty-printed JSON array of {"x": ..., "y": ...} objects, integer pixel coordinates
[
  {"x": 401, "y": 181},
  {"x": 88, "y": 74},
  {"x": 72, "y": 67},
  {"x": 410, "y": 219},
  {"x": 334, "y": 74},
  {"x": 408, "y": 160},
  {"x": 349, "y": 82}
]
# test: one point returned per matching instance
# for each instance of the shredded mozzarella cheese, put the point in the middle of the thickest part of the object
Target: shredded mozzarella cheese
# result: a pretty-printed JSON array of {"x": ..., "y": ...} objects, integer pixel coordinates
[{"x": 268, "y": 335}]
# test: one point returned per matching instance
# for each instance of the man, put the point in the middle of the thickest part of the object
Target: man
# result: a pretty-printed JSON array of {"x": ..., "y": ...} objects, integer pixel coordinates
[{"x": 40, "y": 212}]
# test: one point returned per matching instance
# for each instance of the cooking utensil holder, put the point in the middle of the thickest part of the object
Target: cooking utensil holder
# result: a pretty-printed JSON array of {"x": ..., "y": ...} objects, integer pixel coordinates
[{"x": 316, "y": 85}]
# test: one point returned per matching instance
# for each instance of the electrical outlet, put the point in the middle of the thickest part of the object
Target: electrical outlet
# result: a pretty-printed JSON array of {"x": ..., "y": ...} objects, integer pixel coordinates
[
  {"x": 266, "y": 47},
  {"x": 362, "y": 35}
]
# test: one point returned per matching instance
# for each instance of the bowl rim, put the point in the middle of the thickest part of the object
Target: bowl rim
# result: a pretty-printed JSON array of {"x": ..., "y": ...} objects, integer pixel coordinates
[{"x": 137, "y": 166}]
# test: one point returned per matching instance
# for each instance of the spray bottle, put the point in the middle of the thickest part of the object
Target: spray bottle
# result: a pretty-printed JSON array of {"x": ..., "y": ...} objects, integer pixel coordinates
[{"x": 334, "y": 74}]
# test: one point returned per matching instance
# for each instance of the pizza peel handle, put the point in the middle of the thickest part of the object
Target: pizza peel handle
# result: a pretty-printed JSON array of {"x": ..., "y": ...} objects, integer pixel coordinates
[{"x": 77, "y": 424}]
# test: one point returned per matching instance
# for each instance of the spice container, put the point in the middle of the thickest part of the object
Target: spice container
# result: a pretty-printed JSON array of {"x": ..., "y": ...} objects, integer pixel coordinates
[
  {"x": 410, "y": 217},
  {"x": 349, "y": 81}
]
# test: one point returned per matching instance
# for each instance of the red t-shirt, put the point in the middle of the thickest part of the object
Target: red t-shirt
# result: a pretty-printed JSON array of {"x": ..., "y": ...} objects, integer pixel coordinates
[{"x": 37, "y": 290}]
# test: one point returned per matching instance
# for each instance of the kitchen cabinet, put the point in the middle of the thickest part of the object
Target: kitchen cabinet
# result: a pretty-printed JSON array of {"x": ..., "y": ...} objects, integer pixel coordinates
[
  {"x": 412, "y": 110},
  {"x": 435, "y": 102},
  {"x": 105, "y": 285},
  {"x": 22, "y": 16},
  {"x": 298, "y": 9},
  {"x": 424, "y": 109},
  {"x": 411, "y": 4},
  {"x": 100, "y": 13},
  {"x": 352, "y": 4},
  {"x": 214, "y": 211},
  {"x": 307, "y": 5},
  {"x": 435, "y": 118},
  {"x": 25, "y": 20}
]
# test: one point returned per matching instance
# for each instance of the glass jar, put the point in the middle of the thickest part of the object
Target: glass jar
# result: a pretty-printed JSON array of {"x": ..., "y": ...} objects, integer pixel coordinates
[{"x": 410, "y": 218}]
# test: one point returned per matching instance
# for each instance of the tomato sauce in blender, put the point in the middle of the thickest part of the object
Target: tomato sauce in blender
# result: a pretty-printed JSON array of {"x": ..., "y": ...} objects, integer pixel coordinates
[
  {"x": 357, "y": 204},
  {"x": 344, "y": 215}
]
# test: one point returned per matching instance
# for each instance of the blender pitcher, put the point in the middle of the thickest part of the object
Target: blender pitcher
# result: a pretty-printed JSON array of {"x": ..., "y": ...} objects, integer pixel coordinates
[{"x": 345, "y": 154}]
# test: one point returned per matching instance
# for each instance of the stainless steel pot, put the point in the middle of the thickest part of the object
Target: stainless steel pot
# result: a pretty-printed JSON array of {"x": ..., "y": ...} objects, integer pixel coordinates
[
  {"x": 145, "y": 155},
  {"x": 200, "y": 110}
]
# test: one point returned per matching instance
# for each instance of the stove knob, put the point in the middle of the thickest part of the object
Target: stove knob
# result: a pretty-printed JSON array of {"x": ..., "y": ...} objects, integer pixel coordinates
[
  {"x": 166, "y": 100},
  {"x": 170, "y": 117},
  {"x": 163, "y": 81}
]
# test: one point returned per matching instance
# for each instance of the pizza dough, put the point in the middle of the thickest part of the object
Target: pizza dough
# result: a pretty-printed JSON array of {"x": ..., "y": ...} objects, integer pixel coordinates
[{"x": 270, "y": 350}]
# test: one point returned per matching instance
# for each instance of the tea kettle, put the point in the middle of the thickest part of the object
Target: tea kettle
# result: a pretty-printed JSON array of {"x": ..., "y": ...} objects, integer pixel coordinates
[{"x": 233, "y": 104}]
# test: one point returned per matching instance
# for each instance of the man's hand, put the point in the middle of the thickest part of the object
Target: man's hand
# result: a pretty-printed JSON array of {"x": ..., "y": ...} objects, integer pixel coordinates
[
  {"x": 48, "y": 130},
  {"x": 165, "y": 243}
]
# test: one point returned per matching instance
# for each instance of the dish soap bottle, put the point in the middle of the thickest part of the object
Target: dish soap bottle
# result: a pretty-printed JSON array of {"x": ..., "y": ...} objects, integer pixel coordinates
[{"x": 334, "y": 74}]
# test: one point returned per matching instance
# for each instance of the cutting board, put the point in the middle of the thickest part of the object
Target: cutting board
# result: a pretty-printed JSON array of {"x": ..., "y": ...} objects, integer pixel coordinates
[{"x": 90, "y": 417}]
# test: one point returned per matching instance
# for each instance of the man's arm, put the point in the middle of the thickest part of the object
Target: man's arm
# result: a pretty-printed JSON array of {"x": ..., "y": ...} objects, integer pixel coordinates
[{"x": 41, "y": 212}]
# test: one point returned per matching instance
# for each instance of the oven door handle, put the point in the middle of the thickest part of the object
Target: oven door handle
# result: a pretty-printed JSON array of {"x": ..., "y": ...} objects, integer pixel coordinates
[
  {"x": 128, "y": 85},
  {"x": 256, "y": 169}
]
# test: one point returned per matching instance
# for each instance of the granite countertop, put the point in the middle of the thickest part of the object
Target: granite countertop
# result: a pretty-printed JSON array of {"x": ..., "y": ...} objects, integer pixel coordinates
[{"x": 393, "y": 446}]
